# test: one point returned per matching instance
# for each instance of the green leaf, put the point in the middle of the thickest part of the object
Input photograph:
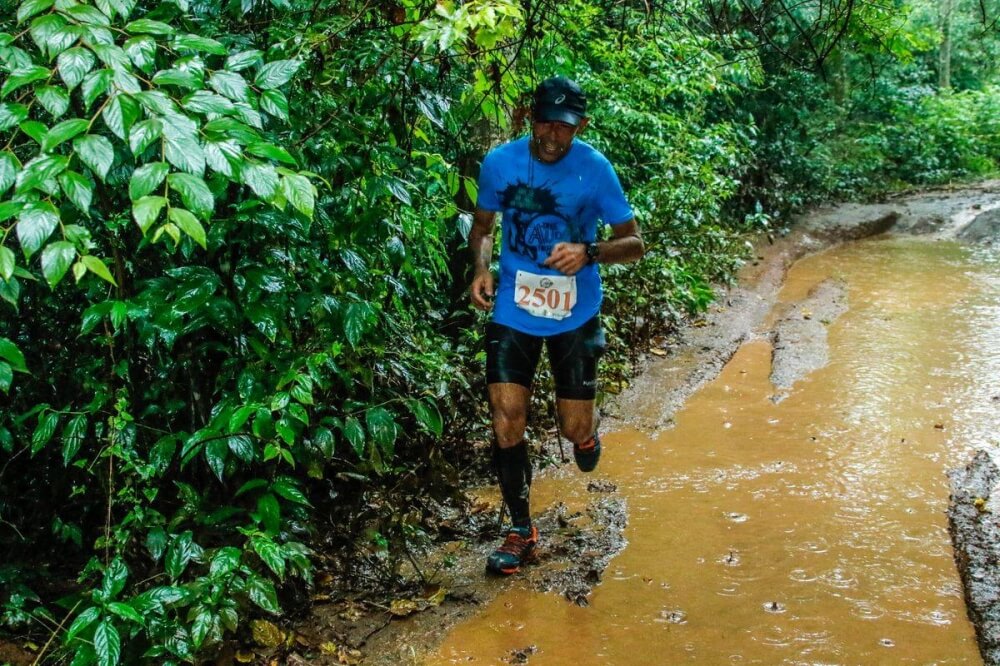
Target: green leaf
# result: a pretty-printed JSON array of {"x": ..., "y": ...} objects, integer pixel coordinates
[
  {"x": 77, "y": 189},
  {"x": 270, "y": 554},
  {"x": 82, "y": 621},
  {"x": 22, "y": 77},
  {"x": 126, "y": 612},
  {"x": 198, "y": 43},
  {"x": 215, "y": 454},
  {"x": 46, "y": 427},
  {"x": 261, "y": 178},
  {"x": 300, "y": 193},
  {"x": 114, "y": 579},
  {"x": 223, "y": 156},
  {"x": 225, "y": 561},
  {"x": 183, "y": 151},
  {"x": 270, "y": 512},
  {"x": 143, "y": 134},
  {"x": 35, "y": 130},
  {"x": 94, "y": 85},
  {"x": 11, "y": 115},
  {"x": 382, "y": 428},
  {"x": 271, "y": 152},
  {"x": 142, "y": 52},
  {"x": 201, "y": 627},
  {"x": 44, "y": 30},
  {"x": 57, "y": 257},
  {"x": 35, "y": 224},
  {"x": 107, "y": 643},
  {"x": 276, "y": 74},
  {"x": 7, "y": 263},
  {"x": 64, "y": 131},
  {"x": 289, "y": 489},
  {"x": 6, "y": 377},
  {"x": 74, "y": 64},
  {"x": 88, "y": 15},
  {"x": 146, "y": 210},
  {"x": 53, "y": 99},
  {"x": 147, "y": 178},
  {"x": 357, "y": 320},
  {"x": 119, "y": 114},
  {"x": 355, "y": 434},
  {"x": 149, "y": 27},
  {"x": 241, "y": 447},
  {"x": 31, "y": 7},
  {"x": 96, "y": 152},
  {"x": 182, "y": 78},
  {"x": 39, "y": 172},
  {"x": 398, "y": 189},
  {"x": 72, "y": 438},
  {"x": 206, "y": 102},
  {"x": 237, "y": 62},
  {"x": 275, "y": 103},
  {"x": 98, "y": 268},
  {"x": 189, "y": 224},
  {"x": 230, "y": 84},
  {"x": 13, "y": 355},
  {"x": 8, "y": 170},
  {"x": 262, "y": 593},
  {"x": 194, "y": 193},
  {"x": 428, "y": 416}
]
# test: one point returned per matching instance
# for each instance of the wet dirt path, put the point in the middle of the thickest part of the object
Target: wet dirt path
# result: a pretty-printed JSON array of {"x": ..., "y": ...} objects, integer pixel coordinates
[{"x": 809, "y": 529}]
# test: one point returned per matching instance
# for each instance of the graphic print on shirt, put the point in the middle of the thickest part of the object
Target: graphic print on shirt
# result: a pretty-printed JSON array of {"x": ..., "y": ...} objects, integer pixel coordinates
[{"x": 536, "y": 222}]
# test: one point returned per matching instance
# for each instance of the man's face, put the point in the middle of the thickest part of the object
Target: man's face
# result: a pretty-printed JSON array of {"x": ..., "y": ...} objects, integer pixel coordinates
[{"x": 551, "y": 140}]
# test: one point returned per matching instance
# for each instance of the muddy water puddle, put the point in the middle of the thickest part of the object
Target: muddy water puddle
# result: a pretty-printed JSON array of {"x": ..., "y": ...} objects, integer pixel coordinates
[{"x": 807, "y": 531}]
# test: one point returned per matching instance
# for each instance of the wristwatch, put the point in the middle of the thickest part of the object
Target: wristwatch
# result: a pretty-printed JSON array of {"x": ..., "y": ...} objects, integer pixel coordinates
[{"x": 593, "y": 251}]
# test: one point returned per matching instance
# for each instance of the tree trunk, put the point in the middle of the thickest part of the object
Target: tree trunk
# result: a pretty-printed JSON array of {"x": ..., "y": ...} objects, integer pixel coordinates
[{"x": 944, "y": 57}]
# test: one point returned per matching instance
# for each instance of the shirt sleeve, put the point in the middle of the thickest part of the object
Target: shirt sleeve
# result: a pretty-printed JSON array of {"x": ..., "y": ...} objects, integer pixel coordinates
[
  {"x": 486, "y": 199},
  {"x": 612, "y": 205}
]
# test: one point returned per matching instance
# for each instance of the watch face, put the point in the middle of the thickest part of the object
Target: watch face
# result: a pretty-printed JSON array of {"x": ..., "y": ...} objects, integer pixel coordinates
[{"x": 592, "y": 251}]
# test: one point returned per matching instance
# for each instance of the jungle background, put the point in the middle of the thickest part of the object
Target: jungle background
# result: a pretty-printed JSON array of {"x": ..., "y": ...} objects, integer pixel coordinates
[{"x": 234, "y": 329}]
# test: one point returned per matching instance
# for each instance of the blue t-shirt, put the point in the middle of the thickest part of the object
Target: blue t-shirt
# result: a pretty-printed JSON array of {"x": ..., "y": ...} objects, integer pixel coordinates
[{"x": 542, "y": 205}]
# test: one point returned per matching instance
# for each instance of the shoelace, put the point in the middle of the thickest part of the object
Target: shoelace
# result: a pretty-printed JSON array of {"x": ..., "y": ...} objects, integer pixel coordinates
[{"x": 514, "y": 544}]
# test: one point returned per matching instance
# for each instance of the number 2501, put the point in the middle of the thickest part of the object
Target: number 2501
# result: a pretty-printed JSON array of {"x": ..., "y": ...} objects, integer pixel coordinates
[{"x": 541, "y": 296}]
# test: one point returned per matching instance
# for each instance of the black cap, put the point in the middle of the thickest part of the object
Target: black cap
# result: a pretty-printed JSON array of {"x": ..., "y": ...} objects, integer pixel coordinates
[{"x": 559, "y": 99}]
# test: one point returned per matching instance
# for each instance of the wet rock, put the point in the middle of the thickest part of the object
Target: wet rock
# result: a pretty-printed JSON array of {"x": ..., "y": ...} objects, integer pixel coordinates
[
  {"x": 975, "y": 534},
  {"x": 985, "y": 228},
  {"x": 799, "y": 338}
]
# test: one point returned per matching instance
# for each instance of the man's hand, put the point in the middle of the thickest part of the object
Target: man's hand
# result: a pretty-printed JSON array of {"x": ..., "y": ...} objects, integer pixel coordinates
[
  {"x": 568, "y": 258},
  {"x": 482, "y": 291}
]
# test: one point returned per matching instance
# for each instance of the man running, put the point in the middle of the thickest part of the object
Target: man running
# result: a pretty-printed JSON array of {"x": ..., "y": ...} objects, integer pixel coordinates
[{"x": 552, "y": 190}]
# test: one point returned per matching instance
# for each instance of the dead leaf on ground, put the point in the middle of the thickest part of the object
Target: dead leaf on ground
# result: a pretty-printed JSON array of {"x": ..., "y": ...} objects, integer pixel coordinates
[
  {"x": 437, "y": 596},
  {"x": 245, "y": 656},
  {"x": 403, "y": 607},
  {"x": 658, "y": 352},
  {"x": 266, "y": 634}
]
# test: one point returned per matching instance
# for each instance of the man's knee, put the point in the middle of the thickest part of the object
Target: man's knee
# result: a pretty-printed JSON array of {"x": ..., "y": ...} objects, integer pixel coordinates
[{"x": 579, "y": 431}]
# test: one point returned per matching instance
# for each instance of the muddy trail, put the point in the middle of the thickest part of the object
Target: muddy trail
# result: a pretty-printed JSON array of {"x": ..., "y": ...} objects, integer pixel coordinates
[{"x": 775, "y": 486}]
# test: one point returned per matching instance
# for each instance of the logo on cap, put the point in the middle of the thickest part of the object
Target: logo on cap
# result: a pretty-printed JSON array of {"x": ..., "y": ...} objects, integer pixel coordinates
[{"x": 560, "y": 99}]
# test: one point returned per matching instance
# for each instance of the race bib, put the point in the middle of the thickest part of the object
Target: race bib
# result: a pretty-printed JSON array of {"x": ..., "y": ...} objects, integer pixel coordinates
[{"x": 549, "y": 296}]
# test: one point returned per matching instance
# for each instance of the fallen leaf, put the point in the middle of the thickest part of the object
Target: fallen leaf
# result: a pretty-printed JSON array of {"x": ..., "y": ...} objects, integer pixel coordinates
[
  {"x": 328, "y": 648},
  {"x": 403, "y": 607},
  {"x": 939, "y": 426},
  {"x": 437, "y": 597},
  {"x": 267, "y": 634},
  {"x": 658, "y": 352},
  {"x": 244, "y": 656},
  {"x": 980, "y": 503}
]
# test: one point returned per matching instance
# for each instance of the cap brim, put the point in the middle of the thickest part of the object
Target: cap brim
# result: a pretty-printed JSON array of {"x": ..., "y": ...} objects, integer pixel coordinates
[{"x": 557, "y": 115}]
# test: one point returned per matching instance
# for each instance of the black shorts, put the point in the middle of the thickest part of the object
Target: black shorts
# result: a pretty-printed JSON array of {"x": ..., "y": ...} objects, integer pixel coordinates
[{"x": 512, "y": 356}]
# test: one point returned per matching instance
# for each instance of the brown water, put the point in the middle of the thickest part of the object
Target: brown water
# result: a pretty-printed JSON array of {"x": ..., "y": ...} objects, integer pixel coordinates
[{"x": 811, "y": 531}]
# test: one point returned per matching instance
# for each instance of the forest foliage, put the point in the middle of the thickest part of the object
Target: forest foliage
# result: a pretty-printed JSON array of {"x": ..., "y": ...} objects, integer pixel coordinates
[{"x": 232, "y": 265}]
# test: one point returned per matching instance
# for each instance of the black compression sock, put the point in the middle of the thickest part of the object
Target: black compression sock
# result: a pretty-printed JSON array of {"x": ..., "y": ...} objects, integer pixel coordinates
[{"x": 513, "y": 468}]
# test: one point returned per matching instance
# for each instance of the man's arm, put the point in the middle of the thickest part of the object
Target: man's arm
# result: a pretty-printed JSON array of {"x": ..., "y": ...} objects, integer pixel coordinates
[
  {"x": 481, "y": 247},
  {"x": 625, "y": 245}
]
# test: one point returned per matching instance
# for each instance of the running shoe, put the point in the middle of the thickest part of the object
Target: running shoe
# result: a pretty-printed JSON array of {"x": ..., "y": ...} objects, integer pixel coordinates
[
  {"x": 515, "y": 551},
  {"x": 587, "y": 454}
]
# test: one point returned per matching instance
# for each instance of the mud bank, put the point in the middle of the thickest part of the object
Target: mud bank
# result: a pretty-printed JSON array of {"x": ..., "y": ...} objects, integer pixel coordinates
[{"x": 581, "y": 538}]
